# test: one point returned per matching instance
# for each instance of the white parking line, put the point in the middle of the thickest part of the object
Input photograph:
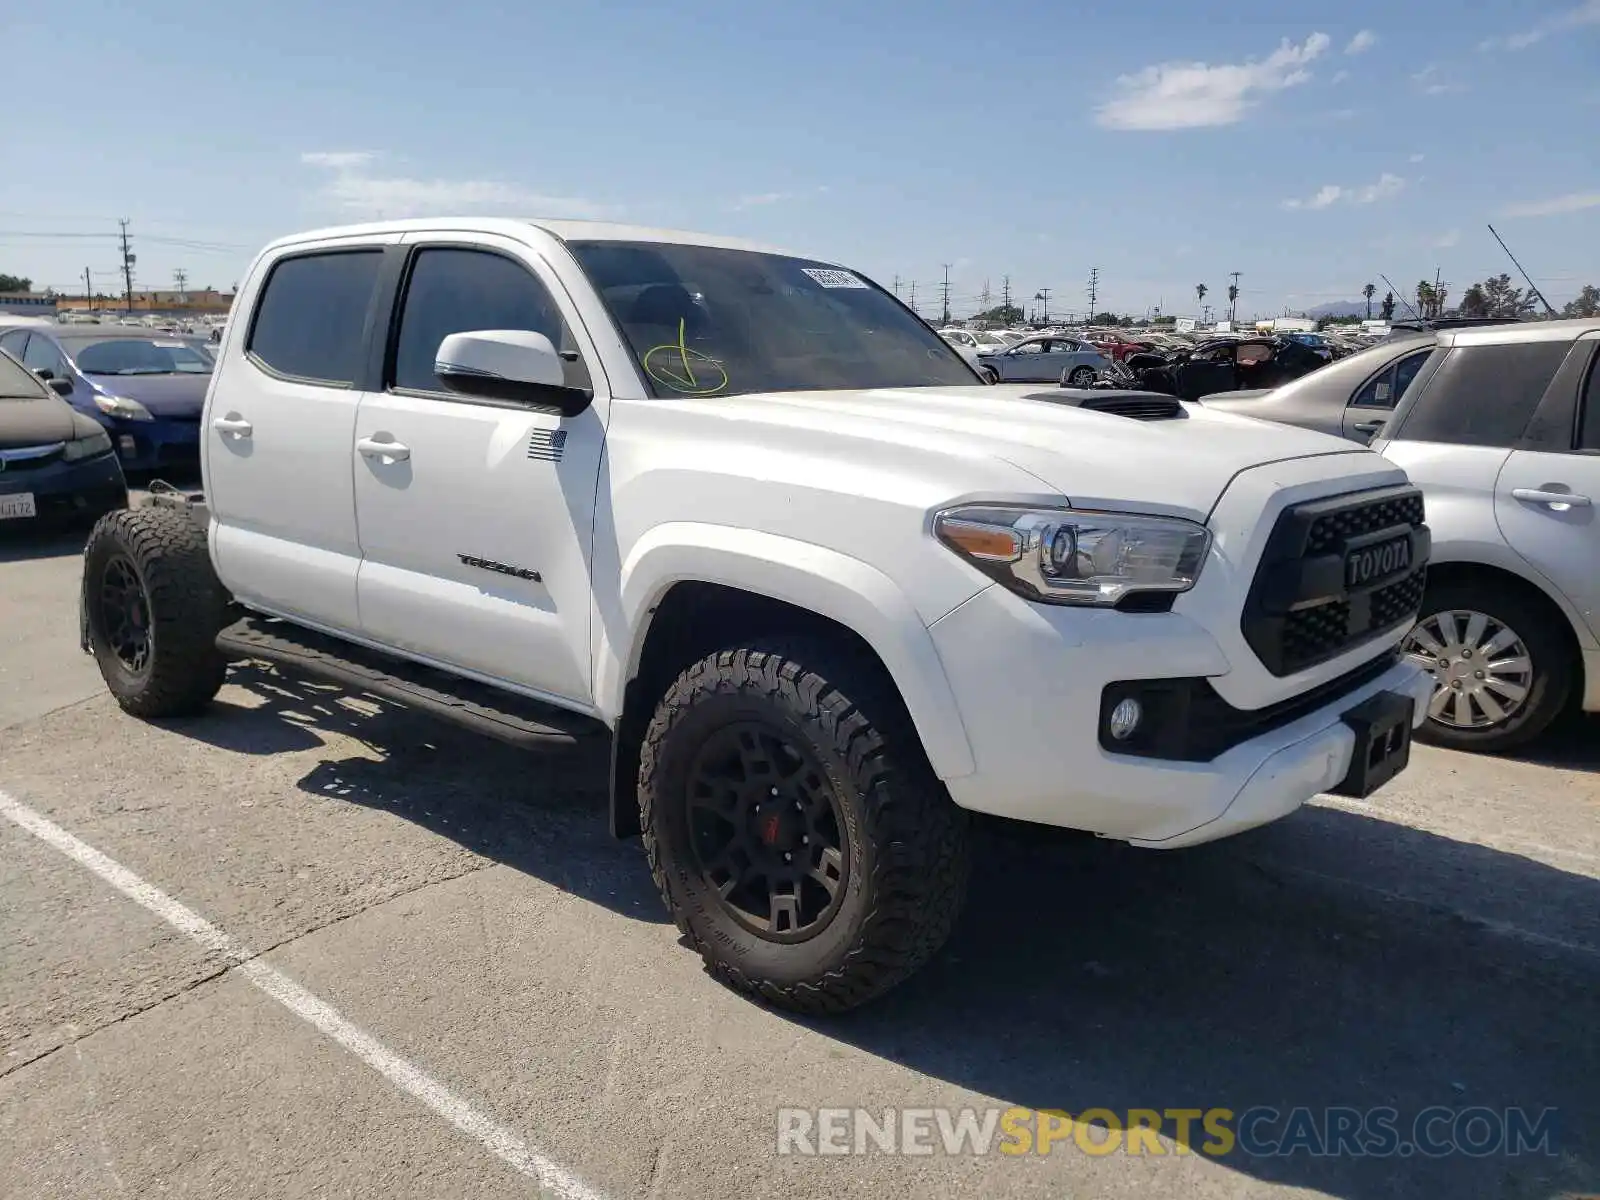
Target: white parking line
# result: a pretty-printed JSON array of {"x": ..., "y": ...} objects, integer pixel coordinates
[{"x": 555, "y": 1179}]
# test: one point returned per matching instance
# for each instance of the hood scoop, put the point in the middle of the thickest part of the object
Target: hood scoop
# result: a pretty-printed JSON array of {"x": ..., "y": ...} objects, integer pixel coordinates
[{"x": 1137, "y": 406}]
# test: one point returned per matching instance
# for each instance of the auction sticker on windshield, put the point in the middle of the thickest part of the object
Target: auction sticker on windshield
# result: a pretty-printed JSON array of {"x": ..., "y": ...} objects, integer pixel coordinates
[{"x": 835, "y": 279}]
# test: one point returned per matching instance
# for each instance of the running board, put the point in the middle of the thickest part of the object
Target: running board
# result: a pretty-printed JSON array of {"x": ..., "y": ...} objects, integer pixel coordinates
[{"x": 505, "y": 716}]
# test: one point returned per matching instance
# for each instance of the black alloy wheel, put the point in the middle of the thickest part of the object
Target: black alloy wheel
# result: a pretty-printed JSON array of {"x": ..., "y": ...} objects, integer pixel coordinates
[{"x": 766, "y": 831}]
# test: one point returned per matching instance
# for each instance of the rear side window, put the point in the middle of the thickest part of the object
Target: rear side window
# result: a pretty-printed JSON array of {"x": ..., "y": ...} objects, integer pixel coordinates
[
  {"x": 312, "y": 313},
  {"x": 1484, "y": 395},
  {"x": 1589, "y": 428},
  {"x": 1385, "y": 389}
]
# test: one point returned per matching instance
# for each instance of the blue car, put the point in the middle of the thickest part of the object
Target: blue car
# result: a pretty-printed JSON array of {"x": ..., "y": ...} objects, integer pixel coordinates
[
  {"x": 145, "y": 387},
  {"x": 56, "y": 465}
]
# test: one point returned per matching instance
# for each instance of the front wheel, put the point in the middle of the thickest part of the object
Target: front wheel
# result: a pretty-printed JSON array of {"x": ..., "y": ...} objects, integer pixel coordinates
[
  {"x": 153, "y": 607},
  {"x": 1502, "y": 672},
  {"x": 990, "y": 375},
  {"x": 1082, "y": 377},
  {"x": 797, "y": 834}
]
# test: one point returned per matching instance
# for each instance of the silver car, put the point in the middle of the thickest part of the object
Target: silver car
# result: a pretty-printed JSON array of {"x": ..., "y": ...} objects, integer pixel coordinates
[
  {"x": 1046, "y": 359},
  {"x": 1501, "y": 430}
]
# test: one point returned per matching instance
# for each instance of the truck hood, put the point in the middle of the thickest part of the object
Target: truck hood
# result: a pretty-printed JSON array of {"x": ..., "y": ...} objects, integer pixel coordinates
[{"x": 1178, "y": 466}]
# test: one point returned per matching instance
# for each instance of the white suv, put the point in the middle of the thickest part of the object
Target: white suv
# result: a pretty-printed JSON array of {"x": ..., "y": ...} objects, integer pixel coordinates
[
  {"x": 746, "y": 516},
  {"x": 1501, "y": 428}
]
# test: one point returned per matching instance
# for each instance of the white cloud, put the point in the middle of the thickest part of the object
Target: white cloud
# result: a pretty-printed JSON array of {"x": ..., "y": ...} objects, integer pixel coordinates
[
  {"x": 1364, "y": 39},
  {"x": 1447, "y": 239},
  {"x": 1430, "y": 83},
  {"x": 1556, "y": 205},
  {"x": 338, "y": 160},
  {"x": 1587, "y": 13},
  {"x": 1194, "y": 95},
  {"x": 351, "y": 188},
  {"x": 1385, "y": 186},
  {"x": 1340, "y": 76},
  {"x": 1416, "y": 158}
]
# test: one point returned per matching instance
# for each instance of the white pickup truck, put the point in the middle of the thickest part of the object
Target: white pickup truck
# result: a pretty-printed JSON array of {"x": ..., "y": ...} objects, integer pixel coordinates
[{"x": 748, "y": 517}]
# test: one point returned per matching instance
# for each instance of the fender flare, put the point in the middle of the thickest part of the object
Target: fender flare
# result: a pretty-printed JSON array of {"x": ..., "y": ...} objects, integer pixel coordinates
[{"x": 844, "y": 589}]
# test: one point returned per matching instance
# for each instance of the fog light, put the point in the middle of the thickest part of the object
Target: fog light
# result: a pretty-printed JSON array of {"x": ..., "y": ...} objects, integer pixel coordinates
[{"x": 1125, "y": 718}]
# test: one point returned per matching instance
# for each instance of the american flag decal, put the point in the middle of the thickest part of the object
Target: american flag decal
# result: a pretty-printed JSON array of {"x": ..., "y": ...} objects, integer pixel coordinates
[{"x": 546, "y": 445}]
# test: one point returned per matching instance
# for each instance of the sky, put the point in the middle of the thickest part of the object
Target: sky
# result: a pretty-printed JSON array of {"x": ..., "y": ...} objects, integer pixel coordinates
[{"x": 1165, "y": 144}]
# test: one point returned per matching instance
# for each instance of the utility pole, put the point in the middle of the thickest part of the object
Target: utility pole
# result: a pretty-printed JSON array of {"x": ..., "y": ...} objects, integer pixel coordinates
[
  {"x": 1005, "y": 292},
  {"x": 897, "y": 286},
  {"x": 945, "y": 293},
  {"x": 181, "y": 278},
  {"x": 1044, "y": 311},
  {"x": 914, "y": 297},
  {"x": 986, "y": 300},
  {"x": 1093, "y": 290},
  {"x": 1233, "y": 298},
  {"x": 88, "y": 291},
  {"x": 128, "y": 260}
]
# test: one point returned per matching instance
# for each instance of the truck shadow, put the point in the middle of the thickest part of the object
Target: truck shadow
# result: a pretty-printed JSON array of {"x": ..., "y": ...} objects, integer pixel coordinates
[
  {"x": 1331, "y": 959},
  {"x": 541, "y": 813}
]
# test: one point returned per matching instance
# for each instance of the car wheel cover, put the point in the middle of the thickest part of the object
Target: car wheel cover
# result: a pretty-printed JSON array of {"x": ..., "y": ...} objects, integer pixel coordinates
[{"x": 1481, "y": 667}]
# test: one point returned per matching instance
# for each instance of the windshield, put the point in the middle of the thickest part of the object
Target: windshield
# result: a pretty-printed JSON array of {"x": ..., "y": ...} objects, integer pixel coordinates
[
  {"x": 703, "y": 321},
  {"x": 17, "y": 382},
  {"x": 154, "y": 355}
]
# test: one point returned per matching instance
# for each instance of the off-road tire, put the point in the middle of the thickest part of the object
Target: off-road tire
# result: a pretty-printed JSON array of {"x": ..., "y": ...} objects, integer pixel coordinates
[
  {"x": 186, "y": 603},
  {"x": 907, "y": 841},
  {"x": 1539, "y": 625}
]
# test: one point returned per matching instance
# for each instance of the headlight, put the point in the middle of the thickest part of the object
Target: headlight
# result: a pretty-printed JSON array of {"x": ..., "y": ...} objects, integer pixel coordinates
[
  {"x": 1070, "y": 556},
  {"x": 121, "y": 406},
  {"x": 88, "y": 447}
]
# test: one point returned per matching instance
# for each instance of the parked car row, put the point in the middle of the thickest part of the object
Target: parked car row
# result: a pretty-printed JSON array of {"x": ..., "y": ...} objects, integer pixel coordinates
[{"x": 56, "y": 464}]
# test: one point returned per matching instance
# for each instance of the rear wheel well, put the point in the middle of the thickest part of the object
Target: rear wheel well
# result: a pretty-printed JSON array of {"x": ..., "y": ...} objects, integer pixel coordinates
[
  {"x": 1482, "y": 574},
  {"x": 690, "y": 621}
]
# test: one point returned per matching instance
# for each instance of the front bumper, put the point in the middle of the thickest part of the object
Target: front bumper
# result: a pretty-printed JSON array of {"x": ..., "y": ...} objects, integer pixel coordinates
[
  {"x": 67, "y": 491},
  {"x": 152, "y": 445},
  {"x": 1029, "y": 680}
]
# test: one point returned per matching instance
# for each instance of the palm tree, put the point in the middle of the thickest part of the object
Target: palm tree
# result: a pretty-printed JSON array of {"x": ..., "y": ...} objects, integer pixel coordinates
[
  {"x": 1200, "y": 291},
  {"x": 1424, "y": 297},
  {"x": 1368, "y": 292}
]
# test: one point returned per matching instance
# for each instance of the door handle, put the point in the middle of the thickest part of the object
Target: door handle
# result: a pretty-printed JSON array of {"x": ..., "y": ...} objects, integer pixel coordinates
[
  {"x": 233, "y": 426},
  {"x": 1368, "y": 426},
  {"x": 1563, "y": 499},
  {"x": 386, "y": 451}
]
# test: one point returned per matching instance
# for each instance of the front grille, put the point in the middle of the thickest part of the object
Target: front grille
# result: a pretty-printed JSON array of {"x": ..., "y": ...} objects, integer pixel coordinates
[
  {"x": 1330, "y": 529},
  {"x": 1302, "y": 610},
  {"x": 30, "y": 458}
]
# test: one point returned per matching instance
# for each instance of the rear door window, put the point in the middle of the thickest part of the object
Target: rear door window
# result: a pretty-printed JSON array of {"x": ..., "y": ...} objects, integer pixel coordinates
[
  {"x": 311, "y": 318},
  {"x": 1483, "y": 395}
]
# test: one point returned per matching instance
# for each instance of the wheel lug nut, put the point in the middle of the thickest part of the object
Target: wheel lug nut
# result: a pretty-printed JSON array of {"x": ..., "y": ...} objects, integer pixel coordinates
[
  {"x": 787, "y": 857},
  {"x": 1456, "y": 683},
  {"x": 805, "y": 839},
  {"x": 1467, "y": 653},
  {"x": 1444, "y": 664},
  {"x": 774, "y": 791},
  {"x": 1477, "y": 674}
]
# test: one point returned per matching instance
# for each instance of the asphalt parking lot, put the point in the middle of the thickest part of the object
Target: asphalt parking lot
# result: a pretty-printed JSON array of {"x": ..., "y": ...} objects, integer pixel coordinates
[{"x": 462, "y": 908}]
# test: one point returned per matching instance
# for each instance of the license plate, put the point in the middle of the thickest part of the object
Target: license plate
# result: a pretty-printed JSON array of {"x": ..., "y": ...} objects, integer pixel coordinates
[
  {"x": 19, "y": 504},
  {"x": 1382, "y": 725},
  {"x": 1375, "y": 563}
]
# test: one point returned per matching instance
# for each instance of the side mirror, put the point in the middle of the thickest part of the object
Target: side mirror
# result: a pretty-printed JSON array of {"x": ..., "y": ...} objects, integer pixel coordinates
[
  {"x": 518, "y": 365},
  {"x": 61, "y": 387}
]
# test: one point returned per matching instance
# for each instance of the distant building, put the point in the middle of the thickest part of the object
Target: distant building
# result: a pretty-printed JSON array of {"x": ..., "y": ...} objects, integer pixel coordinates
[
  {"x": 190, "y": 303},
  {"x": 28, "y": 304}
]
